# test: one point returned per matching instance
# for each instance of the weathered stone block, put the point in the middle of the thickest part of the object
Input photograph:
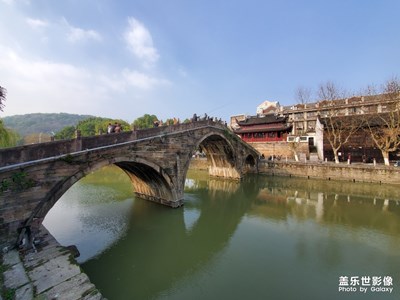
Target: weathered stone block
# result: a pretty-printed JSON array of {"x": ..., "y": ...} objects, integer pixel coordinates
[
  {"x": 75, "y": 288},
  {"x": 53, "y": 273},
  {"x": 24, "y": 293},
  {"x": 15, "y": 277},
  {"x": 11, "y": 258}
]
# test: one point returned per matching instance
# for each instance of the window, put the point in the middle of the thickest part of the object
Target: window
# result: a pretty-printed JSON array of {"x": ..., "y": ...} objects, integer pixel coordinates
[
  {"x": 311, "y": 114},
  {"x": 311, "y": 125},
  {"x": 292, "y": 139}
]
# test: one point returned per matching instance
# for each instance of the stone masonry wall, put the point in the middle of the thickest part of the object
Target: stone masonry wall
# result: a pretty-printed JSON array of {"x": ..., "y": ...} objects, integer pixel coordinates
[
  {"x": 280, "y": 149},
  {"x": 332, "y": 171}
]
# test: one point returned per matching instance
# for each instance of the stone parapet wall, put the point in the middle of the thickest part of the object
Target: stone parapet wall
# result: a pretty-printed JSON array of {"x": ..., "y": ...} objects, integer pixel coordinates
[
  {"x": 20, "y": 154},
  {"x": 332, "y": 171}
]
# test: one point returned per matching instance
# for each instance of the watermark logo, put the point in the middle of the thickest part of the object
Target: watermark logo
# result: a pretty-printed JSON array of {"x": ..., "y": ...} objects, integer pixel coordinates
[{"x": 364, "y": 284}]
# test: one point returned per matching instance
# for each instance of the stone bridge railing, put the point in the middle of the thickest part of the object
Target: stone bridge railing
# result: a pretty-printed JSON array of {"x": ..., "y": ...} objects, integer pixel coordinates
[{"x": 15, "y": 155}]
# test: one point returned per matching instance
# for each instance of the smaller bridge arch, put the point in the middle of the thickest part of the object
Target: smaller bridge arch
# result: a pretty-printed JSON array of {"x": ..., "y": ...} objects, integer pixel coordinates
[{"x": 220, "y": 154}]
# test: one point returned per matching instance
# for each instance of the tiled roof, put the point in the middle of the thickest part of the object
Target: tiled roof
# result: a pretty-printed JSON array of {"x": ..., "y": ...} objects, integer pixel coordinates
[
  {"x": 267, "y": 119},
  {"x": 275, "y": 128}
]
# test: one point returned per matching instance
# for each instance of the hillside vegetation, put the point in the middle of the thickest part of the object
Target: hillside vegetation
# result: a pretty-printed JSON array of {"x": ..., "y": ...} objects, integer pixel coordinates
[
  {"x": 42, "y": 127},
  {"x": 45, "y": 123}
]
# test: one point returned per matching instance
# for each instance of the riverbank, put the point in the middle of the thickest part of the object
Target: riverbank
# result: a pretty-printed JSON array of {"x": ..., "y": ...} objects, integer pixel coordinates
[
  {"x": 330, "y": 171},
  {"x": 47, "y": 272},
  {"x": 357, "y": 172}
]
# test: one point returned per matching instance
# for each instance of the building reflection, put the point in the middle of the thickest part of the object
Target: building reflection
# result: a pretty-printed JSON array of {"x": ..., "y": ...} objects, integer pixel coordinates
[{"x": 301, "y": 199}]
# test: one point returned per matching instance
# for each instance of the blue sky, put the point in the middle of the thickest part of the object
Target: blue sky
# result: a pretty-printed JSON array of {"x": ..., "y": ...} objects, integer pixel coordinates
[{"x": 173, "y": 58}]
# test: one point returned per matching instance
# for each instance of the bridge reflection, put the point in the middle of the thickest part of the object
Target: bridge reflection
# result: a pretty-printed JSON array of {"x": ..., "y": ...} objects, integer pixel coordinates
[{"x": 162, "y": 246}]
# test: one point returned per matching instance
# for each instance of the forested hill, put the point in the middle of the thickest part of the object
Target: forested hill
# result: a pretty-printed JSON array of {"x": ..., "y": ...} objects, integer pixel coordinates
[{"x": 42, "y": 122}]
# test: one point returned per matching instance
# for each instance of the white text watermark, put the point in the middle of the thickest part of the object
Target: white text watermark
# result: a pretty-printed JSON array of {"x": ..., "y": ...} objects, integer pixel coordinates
[{"x": 364, "y": 284}]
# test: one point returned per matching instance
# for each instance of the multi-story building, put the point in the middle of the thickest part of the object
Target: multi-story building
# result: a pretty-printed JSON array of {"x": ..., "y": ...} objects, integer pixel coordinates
[
  {"x": 304, "y": 121},
  {"x": 304, "y": 116}
]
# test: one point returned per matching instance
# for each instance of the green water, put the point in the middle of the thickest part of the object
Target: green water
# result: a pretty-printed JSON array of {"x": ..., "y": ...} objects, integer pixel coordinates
[{"x": 262, "y": 238}]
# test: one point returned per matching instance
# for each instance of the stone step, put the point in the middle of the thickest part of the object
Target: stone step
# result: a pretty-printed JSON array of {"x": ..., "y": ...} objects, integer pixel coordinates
[{"x": 47, "y": 272}]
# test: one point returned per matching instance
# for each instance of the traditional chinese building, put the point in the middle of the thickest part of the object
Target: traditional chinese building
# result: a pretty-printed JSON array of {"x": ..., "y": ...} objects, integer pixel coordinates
[{"x": 268, "y": 128}]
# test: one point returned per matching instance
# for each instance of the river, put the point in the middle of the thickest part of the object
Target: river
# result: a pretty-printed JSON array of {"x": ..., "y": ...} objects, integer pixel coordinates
[{"x": 261, "y": 238}]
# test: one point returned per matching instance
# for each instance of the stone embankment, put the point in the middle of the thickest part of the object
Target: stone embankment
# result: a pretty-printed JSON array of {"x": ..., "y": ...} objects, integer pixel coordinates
[
  {"x": 198, "y": 163},
  {"x": 331, "y": 171},
  {"x": 48, "y": 272}
]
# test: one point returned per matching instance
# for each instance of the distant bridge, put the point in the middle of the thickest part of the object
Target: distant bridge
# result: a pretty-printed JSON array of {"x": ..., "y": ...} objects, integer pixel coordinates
[{"x": 34, "y": 177}]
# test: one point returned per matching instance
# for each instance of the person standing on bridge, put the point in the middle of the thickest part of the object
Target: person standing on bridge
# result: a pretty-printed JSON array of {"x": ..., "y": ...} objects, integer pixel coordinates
[
  {"x": 118, "y": 128},
  {"x": 110, "y": 128}
]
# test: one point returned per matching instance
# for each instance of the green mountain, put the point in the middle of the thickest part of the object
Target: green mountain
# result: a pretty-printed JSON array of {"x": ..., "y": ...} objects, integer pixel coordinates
[{"x": 46, "y": 123}]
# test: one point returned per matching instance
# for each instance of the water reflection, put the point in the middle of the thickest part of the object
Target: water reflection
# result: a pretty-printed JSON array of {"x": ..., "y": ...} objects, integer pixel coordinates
[
  {"x": 92, "y": 214},
  {"x": 342, "y": 204},
  {"x": 249, "y": 239}
]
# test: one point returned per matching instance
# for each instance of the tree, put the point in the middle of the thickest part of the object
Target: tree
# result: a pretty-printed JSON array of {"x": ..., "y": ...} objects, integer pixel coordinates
[
  {"x": 66, "y": 133},
  {"x": 8, "y": 137},
  {"x": 384, "y": 127},
  {"x": 90, "y": 127},
  {"x": 3, "y": 93},
  {"x": 303, "y": 95},
  {"x": 338, "y": 127},
  {"x": 145, "y": 121},
  {"x": 369, "y": 90}
]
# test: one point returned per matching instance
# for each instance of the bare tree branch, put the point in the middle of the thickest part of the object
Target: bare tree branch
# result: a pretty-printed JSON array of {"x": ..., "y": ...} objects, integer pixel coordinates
[
  {"x": 338, "y": 126},
  {"x": 303, "y": 95},
  {"x": 3, "y": 93},
  {"x": 384, "y": 127}
]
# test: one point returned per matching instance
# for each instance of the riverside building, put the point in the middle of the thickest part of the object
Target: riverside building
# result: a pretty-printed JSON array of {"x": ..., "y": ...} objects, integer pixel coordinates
[{"x": 304, "y": 123}]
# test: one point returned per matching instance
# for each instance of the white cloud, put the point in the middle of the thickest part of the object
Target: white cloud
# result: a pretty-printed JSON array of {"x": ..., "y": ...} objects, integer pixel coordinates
[
  {"x": 76, "y": 34},
  {"x": 46, "y": 86},
  {"x": 142, "y": 80},
  {"x": 36, "y": 23},
  {"x": 140, "y": 42},
  {"x": 38, "y": 85}
]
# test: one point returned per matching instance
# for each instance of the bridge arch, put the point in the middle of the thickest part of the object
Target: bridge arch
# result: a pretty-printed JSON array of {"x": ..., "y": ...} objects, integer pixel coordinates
[
  {"x": 224, "y": 156},
  {"x": 220, "y": 154},
  {"x": 250, "y": 160},
  {"x": 148, "y": 179}
]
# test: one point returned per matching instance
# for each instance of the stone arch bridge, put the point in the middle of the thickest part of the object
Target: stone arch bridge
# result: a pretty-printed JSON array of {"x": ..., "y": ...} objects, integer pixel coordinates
[{"x": 34, "y": 177}]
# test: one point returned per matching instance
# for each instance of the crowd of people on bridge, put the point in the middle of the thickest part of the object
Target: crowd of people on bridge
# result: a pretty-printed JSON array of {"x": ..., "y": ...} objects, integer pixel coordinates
[
  {"x": 197, "y": 118},
  {"x": 116, "y": 127},
  {"x": 173, "y": 121}
]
